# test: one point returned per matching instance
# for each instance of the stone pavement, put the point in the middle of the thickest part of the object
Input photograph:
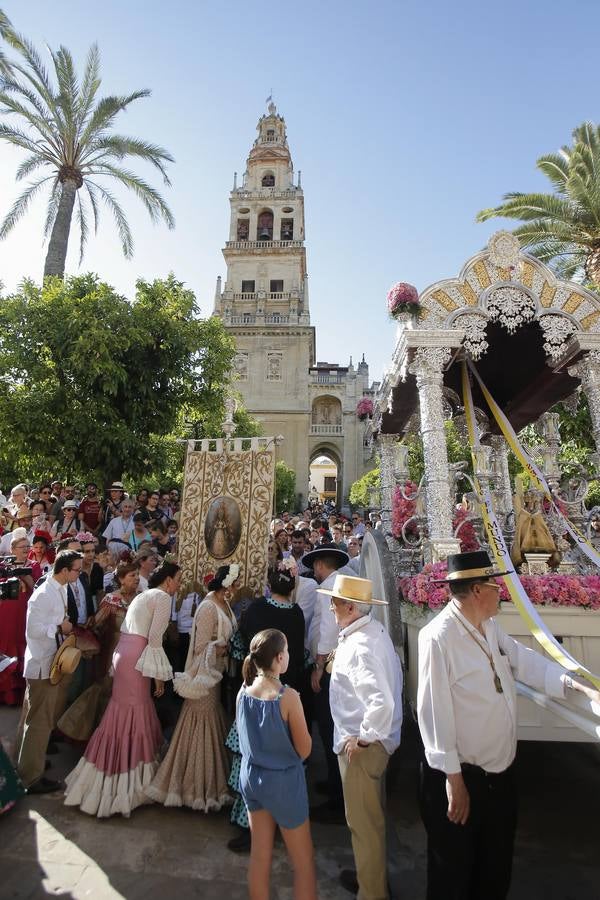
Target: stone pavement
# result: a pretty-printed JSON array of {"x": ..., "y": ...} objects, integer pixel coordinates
[{"x": 49, "y": 850}]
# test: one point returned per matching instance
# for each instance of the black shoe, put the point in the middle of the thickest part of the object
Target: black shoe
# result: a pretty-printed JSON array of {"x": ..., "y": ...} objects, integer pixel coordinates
[
  {"x": 45, "y": 786},
  {"x": 322, "y": 787},
  {"x": 325, "y": 814},
  {"x": 52, "y": 749},
  {"x": 241, "y": 843},
  {"x": 348, "y": 880},
  {"x": 47, "y": 765}
]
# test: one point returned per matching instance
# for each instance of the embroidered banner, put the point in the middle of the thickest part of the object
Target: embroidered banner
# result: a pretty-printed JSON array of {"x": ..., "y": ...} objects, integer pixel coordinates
[
  {"x": 527, "y": 610},
  {"x": 226, "y": 508}
]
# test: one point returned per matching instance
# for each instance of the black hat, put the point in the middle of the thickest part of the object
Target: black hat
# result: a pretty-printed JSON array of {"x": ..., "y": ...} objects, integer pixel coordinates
[
  {"x": 464, "y": 566},
  {"x": 341, "y": 558}
]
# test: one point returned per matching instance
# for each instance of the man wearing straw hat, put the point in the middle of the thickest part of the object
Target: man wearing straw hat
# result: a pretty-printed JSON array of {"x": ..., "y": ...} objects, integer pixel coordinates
[
  {"x": 46, "y": 615},
  {"x": 466, "y": 706},
  {"x": 366, "y": 705}
]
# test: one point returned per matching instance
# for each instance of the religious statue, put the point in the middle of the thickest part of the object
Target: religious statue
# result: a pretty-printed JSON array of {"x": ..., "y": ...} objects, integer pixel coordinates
[
  {"x": 593, "y": 527},
  {"x": 532, "y": 534}
]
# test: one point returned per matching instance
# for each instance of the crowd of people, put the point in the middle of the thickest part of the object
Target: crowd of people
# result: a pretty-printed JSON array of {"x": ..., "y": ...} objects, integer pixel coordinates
[{"x": 104, "y": 644}]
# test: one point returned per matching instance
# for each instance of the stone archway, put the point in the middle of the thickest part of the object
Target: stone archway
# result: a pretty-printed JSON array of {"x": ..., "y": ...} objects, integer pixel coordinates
[{"x": 328, "y": 451}]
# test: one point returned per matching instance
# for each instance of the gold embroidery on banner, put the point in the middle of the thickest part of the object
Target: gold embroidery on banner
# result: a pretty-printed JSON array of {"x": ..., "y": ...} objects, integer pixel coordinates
[
  {"x": 482, "y": 274},
  {"x": 527, "y": 273},
  {"x": 468, "y": 293},
  {"x": 547, "y": 295},
  {"x": 589, "y": 320},
  {"x": 245, "y": 476},
  {"x": 445, "y": 300},
  {"x": 572, "y": 303},
  {"x": 504, "y": 274}
]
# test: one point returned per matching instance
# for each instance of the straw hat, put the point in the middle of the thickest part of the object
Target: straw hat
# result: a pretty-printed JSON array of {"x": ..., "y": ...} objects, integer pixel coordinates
[
  {"x": 66, "y": 659},
  {"x": 353, "y": 590}
]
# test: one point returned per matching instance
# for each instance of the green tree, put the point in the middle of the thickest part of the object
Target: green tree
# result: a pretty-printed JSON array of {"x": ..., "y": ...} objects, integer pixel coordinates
[
  {"x": 562, "y": 228},
  {"x": 285, "y": 487},
  {"x": 361, "y": 490},
  {"x": 66, "y": 131},
  {"x": 93, "y": 384}
]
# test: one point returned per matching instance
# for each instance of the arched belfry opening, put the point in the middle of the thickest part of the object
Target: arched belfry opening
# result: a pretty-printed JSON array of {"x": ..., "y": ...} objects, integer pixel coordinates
[{"x": 264, "y": 230}]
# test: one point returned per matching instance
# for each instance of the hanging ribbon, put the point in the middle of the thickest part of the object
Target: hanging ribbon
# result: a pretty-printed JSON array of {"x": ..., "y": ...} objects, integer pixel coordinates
[
  {"x": 533, "y": 471},
  {"x": 523, "y": 604}
]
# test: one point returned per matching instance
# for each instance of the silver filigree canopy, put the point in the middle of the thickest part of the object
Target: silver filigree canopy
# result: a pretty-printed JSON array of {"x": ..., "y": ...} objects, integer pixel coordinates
[
  {"x": 503, "y": 249},
  {"x": 511, "y": 307}
]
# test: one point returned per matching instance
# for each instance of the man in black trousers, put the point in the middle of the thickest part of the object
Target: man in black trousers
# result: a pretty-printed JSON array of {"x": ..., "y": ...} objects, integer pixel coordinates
[{"x": 467, "y": 713}]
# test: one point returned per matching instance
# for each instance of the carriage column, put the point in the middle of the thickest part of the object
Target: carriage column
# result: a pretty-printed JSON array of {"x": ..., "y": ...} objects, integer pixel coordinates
[
  {"x": 588, "y": 370},
  {"x": 427, "y": 366}
]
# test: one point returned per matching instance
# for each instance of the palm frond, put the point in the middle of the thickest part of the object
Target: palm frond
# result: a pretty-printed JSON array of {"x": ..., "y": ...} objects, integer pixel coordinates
[
  {"x": 67, "y": 99},
  {"x": 118, "y": 146},
  {"x": 19, "y": 207},
  {"x": 83, "y": 226},
  {"x": 530, "y": 206},
  {"x": 52, "y": 209},
  {"x": 29, "y": 165},
  {"x": 93, "y": 203},
  {"x": 556, "y": 167},
  {"x": 89, "y": 85},
  {"x": 119, "y": 217},
  {"x": 35, "y": 120},
  {"x": 105, "y": 111},
  {"x": 18, "y": 138},
  {"x": 152, "y": 200}
]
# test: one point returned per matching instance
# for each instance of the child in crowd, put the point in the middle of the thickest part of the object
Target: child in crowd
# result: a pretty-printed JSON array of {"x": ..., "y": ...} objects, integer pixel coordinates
[{"x": 274, "y": 740}]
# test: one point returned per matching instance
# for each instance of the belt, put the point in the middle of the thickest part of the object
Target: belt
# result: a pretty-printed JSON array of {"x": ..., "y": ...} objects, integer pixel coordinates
[{"x": 469, "y": 768}]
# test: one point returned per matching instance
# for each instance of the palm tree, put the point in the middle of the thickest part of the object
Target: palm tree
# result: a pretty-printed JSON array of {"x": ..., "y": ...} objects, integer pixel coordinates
[
  {"x": 66, "y": 131},
  {"x": 5, "y": 31},
  {"x": 563, "y": 228}
]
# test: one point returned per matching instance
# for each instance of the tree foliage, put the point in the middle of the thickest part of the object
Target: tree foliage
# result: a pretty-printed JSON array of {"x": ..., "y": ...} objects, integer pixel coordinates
[
  {"x": 285, "y": 487},
  {"x": 361, "y": 491},
  {"x": 562, "y": 228},
  {"x": 92, "y": 384},
  {"x": 66, "y": 132}
]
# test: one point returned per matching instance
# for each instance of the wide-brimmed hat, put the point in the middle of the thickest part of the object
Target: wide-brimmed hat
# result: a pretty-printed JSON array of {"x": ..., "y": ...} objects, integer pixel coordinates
[
  {"x": 340, "y": 556},
  {"x": 23, "y": 512},
  {"x": 117, "y": 486},
  {"x": 66, "y": 659},
  {"x": 464, "y": 566},
  {"x": 353, "y": 590}
]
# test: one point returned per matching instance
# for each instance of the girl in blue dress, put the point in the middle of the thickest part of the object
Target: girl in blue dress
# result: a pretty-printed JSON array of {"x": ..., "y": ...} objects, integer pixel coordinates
[{"x": 274, "y": 741}]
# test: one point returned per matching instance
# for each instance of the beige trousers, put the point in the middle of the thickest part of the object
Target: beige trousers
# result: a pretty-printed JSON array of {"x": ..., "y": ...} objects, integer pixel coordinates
[
  {"x": 363, "y": 782},
  {"x": 37, "y": 722}
]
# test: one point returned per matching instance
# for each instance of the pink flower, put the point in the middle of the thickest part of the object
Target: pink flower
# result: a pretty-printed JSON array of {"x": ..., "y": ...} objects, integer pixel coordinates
[
  {"x": 364, "y": 408},
  {"x": 402, "y": 296}
]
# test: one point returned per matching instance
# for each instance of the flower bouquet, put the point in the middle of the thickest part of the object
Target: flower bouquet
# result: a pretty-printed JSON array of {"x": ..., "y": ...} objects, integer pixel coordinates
[
  {"x": 403, "y": 299},
  {"x": 364, "y": 408}
]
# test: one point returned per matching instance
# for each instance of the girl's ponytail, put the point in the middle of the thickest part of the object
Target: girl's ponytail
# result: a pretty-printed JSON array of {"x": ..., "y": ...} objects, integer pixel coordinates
[{"x": 249, "y": 670}]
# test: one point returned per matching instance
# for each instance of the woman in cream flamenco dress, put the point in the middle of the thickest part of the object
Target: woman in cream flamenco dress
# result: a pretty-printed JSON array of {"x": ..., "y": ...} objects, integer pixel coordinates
[
  {"x": 121, "y": 758},
  {"x": 196, "y": 768}
]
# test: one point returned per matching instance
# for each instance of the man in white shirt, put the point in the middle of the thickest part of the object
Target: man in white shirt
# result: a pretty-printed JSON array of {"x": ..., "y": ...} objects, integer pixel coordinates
[
  {"x": 46, "y": 615},
  {"x": 466, "y": 706},
  {"x": 118, "y": 530},
  {"x": 326, "y": 562},
  {"x": 366, "y": 705}
]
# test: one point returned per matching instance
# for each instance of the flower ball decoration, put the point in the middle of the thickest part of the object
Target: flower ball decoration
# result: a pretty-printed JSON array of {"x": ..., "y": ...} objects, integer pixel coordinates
[
  {"x": 403, "y": 298},
  {"x": 364, "y": 408}
]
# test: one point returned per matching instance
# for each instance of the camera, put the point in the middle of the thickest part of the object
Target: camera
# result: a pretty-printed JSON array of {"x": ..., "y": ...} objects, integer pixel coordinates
[{"x": 9, "y": 586}]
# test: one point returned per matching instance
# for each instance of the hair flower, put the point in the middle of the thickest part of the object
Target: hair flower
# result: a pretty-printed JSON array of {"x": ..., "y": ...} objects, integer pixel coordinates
[{"x": 232, "y": 575}]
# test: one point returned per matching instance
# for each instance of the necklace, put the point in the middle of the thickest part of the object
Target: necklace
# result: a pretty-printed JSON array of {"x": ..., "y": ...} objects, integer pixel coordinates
[
  {"x": 497, "y": 682},
  {"x": 270, "y": 676}
]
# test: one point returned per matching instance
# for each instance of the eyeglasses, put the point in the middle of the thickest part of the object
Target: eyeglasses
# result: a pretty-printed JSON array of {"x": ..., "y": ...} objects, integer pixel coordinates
[{"x": 44, "y": 492}]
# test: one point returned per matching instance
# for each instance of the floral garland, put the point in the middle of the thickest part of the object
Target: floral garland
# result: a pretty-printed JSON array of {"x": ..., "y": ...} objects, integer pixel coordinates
[
  {"x": 401, "y": 298},
  {"x": 364, "y": 408},
  {"x": 403, "y": 510},
  {"x": 232, "y": 575},
  {"x": 578, "y": 591}
]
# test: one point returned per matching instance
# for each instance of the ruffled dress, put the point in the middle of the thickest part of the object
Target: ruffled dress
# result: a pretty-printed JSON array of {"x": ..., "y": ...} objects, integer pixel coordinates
[
  {"x": 194, "y": 771},
  {"x": 121, "y": 758}
]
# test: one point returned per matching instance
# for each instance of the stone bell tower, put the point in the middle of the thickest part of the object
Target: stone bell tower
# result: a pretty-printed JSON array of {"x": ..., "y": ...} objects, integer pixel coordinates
[
  {"x": 264, "y": 305},
  {"x": 264, "y": 301}
]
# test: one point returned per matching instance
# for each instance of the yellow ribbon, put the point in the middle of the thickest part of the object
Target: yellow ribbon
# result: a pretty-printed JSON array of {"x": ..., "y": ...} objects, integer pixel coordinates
[{"x": 523, "y": 604}]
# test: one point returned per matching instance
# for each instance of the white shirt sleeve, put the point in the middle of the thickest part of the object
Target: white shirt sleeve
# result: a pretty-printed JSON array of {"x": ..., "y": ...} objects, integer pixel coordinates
[
  {"x": 531, "y": 667},
  {"x": 373, "y": 690},
  {"x": 435, "y": 709}
]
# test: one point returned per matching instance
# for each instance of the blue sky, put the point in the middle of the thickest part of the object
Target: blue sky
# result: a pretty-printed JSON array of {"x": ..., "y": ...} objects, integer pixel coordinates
[{"x": 405, "y": 118}]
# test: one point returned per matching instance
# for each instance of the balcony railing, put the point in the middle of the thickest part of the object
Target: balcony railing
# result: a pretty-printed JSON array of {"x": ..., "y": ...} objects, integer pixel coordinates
[
  {"x": 326, "y": 429},
  {"x": 276, "y": 319},
  {"x": 264, "y": 245},
  {"x": 246, "y": 319},
  {"x": 326, "y": 379},
  {"x": 266, "y": 194}
]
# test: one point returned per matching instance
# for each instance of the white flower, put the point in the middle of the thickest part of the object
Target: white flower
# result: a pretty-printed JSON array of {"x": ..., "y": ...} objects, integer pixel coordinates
[{"x": 233, "y": 575}]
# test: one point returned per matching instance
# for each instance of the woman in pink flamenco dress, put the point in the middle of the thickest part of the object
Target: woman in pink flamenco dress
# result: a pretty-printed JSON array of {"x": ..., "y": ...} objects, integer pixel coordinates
[{"x": 121, "y": 758}]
